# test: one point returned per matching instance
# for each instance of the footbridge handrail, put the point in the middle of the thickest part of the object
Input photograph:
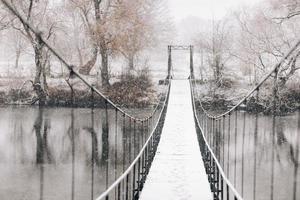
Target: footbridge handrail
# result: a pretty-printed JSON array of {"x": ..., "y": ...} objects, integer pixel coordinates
[
  {"x": 140, "y": 166},
  {"x": 256, "y": 88},
  {"x": 208, "y": 129},
  {"x": 210, "y": 160},
  {"x": 70, "y": 67}
]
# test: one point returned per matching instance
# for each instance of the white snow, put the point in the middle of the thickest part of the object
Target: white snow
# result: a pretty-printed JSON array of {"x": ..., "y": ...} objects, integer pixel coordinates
[{"x": 177, "y": 171}]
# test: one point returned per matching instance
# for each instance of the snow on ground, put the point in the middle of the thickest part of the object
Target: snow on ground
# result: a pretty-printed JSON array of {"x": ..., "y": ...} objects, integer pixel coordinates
[
  {"x": 177, "y": 171},
  {"x": 233, "y": 93}
]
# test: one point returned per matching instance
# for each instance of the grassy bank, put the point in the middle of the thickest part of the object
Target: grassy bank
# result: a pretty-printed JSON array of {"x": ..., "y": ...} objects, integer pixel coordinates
[
  {"x": 218, "y": 100},
  {"x": 132, "y": 90}
]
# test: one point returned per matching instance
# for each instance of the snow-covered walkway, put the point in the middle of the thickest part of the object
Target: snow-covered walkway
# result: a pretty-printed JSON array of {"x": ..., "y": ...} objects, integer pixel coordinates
[{"x": 177, "y": 172}]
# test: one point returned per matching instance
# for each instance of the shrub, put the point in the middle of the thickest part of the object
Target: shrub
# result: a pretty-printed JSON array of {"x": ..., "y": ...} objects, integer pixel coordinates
[{"x": 133, "y": 89}]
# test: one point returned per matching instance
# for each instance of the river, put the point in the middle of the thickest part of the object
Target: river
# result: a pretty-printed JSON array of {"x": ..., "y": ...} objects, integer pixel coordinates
[
  {"x": 260, "y": 155},
  {"x": 64, "y": 153}
]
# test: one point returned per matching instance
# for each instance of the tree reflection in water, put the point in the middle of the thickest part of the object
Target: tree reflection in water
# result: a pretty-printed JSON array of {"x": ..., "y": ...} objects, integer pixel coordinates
[
  {"x": 63, "y": 153},
  {"x": 41, "y": 128},
  {"x": 77, "y": 153},
  {"x": 260, "y": 154}
]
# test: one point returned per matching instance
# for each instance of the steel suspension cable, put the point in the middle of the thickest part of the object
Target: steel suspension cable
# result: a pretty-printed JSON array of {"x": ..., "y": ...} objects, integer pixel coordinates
[
  {"x": 139, "y": 159},
  {"x": 213, "y": 161},
  {"x": 263, "y": 80},
  {"x": 70, "y": 67},
  {"x": 207, "y": 137}
]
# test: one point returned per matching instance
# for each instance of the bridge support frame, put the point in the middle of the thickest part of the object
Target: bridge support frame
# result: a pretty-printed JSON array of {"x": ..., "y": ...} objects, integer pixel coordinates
[
  {"x": 169, "y": 62},
  {"x": 192, "y": 62},
  {"x": 179, "y": 47}
]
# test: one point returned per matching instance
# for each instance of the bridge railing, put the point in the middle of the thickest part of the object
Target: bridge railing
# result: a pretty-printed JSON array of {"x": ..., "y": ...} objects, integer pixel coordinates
[
  {"x": 131, "y": 182},
  {"x": 220, "y": 185},
  {"x": 216, "y": 134},
  {"x": 72, "y": 72}
]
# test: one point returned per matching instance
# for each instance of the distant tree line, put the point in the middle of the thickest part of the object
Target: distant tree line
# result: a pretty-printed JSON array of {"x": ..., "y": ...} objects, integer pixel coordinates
[
  {"x": 84, "y": 31},
  {"x": 255, "y": 38}
]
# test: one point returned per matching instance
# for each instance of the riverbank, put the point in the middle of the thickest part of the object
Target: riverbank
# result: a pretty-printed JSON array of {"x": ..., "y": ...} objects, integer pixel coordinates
[
  {"x": 218, "y": 100},
  {"x": 126, "y": 91}
]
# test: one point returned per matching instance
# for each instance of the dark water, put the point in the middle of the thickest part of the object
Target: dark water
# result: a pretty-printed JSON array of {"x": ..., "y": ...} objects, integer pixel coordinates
[
  {"x": 260, "y": 154},
  {"x": 59, "y": 154}
]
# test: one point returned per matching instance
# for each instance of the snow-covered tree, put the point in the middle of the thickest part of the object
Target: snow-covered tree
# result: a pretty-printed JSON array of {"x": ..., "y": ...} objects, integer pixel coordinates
[
  {"x": 40, "y": 14},
  {"x": 217, "y": 44}
]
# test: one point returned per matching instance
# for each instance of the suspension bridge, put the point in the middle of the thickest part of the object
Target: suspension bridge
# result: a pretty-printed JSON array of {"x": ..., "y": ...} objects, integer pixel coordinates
[{"x": 180, "y": 151}]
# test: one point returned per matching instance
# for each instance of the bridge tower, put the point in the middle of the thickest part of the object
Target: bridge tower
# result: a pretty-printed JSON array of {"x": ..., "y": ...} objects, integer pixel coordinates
[
  {"x": 179, "y": 47},
  {"x": 192, "y": 62},
  {"x": 169, "y": 62}
]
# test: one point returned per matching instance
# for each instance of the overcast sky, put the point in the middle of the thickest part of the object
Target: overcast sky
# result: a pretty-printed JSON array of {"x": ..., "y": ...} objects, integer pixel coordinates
[{"x": 204, "y": 8}]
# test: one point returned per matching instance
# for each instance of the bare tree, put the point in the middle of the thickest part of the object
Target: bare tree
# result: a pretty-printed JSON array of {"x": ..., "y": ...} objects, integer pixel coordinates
[
  {"x": 217, "y": 47},
  {"x": 4, "y": 18},
  {"x": 118, "y": 27},
  {"x": 96, "y": 15},
  {"x": 264, "y": 41},
  {"x": 18, "y": 43},
  {"x": 138, "y": 23},
  {"x": 84, "y": 9},
  {"x": 285, "y": 9},
  {"x": 39, "y": 14}
]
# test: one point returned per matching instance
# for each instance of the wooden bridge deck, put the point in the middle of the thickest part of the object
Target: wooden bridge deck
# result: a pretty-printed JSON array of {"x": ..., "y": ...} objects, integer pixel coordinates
[{"x": 177, "y": 171}]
